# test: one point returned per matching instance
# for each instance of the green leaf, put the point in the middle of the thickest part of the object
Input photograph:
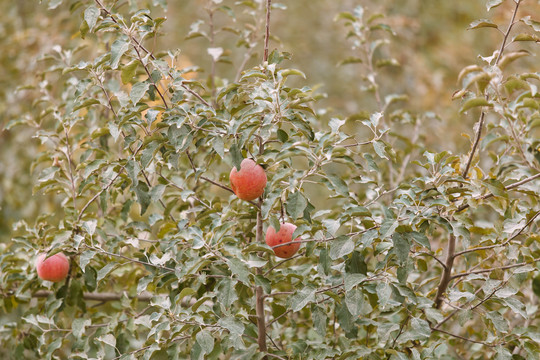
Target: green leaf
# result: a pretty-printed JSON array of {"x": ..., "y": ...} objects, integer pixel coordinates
[
  {"x": 351, "y": 280},
  {"x": 346, "y": 16},
  {"x": 282, "y": 136},
  {"x": 289, "y": 72},
  {"x": 496, "y": 188},
  {"x": 481, "y": 23},
  {"x": 78, "y": 327},
  {"x": 350, "y": 60},
  {"x": 535, "y": 25},
  {"x": 302, "y": 298},
  {"x": 108, "y": 339},
  {"x": 185, "y": 292},
  {"x": 143, "y": 283},
  {"x": 118, "y": 48},
  {"x": 331, "y": 225},
  {"x": 234, "y": 326},
  {"x": 148, "y": 153},
  {"x": 490, "y": 4},
  {"x": 388, "y": 227},
  {"x": 91, "y": 15},
  {"x": 86, "y": 103},
  {"x": 269, "y": 202},
  {"x": 504, "y": 354},
  {"x": 379, "y": 147},
  {"x": 433, "y": 315},
  {"x": 128, "y": 71},
  {"x": 53, "y": 4},
  {"x": 157, "y": 192},
  {"x": 30, "y": 342},
  {"x": 420, "y": 329},
  {"x": 498, "y": 321},
  {"x": 419, "y": 238},
  {"x": 324, "y": 261},
  {"x": 345, "y": 319},
  {"x": 239, "y": 269},
  {"x": 218, "y": 146},
  {"x": 384, "y": 291},
  {"x": 536, "y": 285},
  {"x": 402, "y": 246},
  {"x": 319, "y": 318},
  {"x": 138, "y": 91},
  {"x": 354, "y": 300},
  {"x": 53, "y": 346},
  {"x": 296, "y": 203},
  {"x": 205, "y": 341},
  {"x": 510, "y": 57},
  {"x": 475, "y": 102},
  {"x": 90, "y": 278},
  {"x": 264, "y": 283},
  {"x": 526, "y": 37},
  {"x": 236, "y": 154},
  {"x": 340, "y": 247},
  {"x": 104, "y": 271},
  {"x": 133, "y": 170},
  {"x": 339, "y": 184},
  {"x": 143, "y": 197}
]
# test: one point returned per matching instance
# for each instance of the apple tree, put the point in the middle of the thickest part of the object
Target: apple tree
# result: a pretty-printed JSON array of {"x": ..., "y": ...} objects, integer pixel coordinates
[{"x": 408, "y": 249}]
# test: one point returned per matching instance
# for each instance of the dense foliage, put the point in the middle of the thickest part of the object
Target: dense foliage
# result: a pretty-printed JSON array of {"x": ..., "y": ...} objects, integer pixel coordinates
[{"x": 412, "y": 248}]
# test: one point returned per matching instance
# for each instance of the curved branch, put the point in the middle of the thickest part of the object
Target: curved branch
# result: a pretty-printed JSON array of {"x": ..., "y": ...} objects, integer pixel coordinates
[
  {"x": 446, "y": 276},
  {"x": 103, "y": 296}
]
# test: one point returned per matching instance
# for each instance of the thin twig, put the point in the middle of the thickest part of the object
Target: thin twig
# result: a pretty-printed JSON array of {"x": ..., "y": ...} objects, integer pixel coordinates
[
  {"x": 401, "y": 330},
  {"x": 502, "y": 244},
  {"x": 281, "y": 262},
  {"x": 483, "y": 114},
  {"x": 275, "y": 356},
  {"x": 130, "y": 259},
  {"x": 505, "y": 267},
  {"x": 509, "y": 187},
  {"x": 152, "y": 56},
  {"x": 434, "y": 257},
  {"x": 224, "y": 187},
  {"x": 279, "y": 317},
  {"x": 103, "y": 296},
  {"x": 267, "y": 32},
  {"x": 279, "y": 293},
  {"x": 463, "y": 338}
]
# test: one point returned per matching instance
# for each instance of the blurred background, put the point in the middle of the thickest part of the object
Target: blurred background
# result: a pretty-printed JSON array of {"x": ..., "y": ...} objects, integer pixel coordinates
[{"x": 431, "y": 44}]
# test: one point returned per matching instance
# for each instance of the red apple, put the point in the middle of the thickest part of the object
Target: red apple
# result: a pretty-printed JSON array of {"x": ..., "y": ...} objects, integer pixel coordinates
[
  {"x": 55, "y": 268},
  {"x": 283, "y": 236},
  {"x": 249, "y": 182}
]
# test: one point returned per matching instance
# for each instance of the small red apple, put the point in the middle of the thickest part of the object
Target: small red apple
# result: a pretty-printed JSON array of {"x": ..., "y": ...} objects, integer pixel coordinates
[
  {"x": 55, "y": 268},
  {"x": 249, "y": 182},
  {"x": 283, "y": 236}
]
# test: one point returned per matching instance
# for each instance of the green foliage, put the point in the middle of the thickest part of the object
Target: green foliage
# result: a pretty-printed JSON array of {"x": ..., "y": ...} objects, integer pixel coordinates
[{"x": 407, "y": 251}]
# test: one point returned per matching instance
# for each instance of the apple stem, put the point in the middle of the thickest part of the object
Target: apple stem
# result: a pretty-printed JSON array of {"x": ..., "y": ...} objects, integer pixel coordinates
[{"x": 259, "y": 294}]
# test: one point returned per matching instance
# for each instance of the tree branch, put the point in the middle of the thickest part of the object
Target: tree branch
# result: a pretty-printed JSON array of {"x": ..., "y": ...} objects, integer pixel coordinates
[
  {"x": 152, "y": 56},
  {"x": 259, "y": 294},
  {"x": 483, "y": 114},
  {"x": 104, "y": 296},
  {"x": 464, "y": 338},
  {"x": 504, "y": 243},
  {"x": 446, "y": 276},
  {"x": 505, "y": 267},
  {"x": 509, "y": 187},
  {"x": 267, "y": 33},
  {"x": 130, "y": 259}
]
